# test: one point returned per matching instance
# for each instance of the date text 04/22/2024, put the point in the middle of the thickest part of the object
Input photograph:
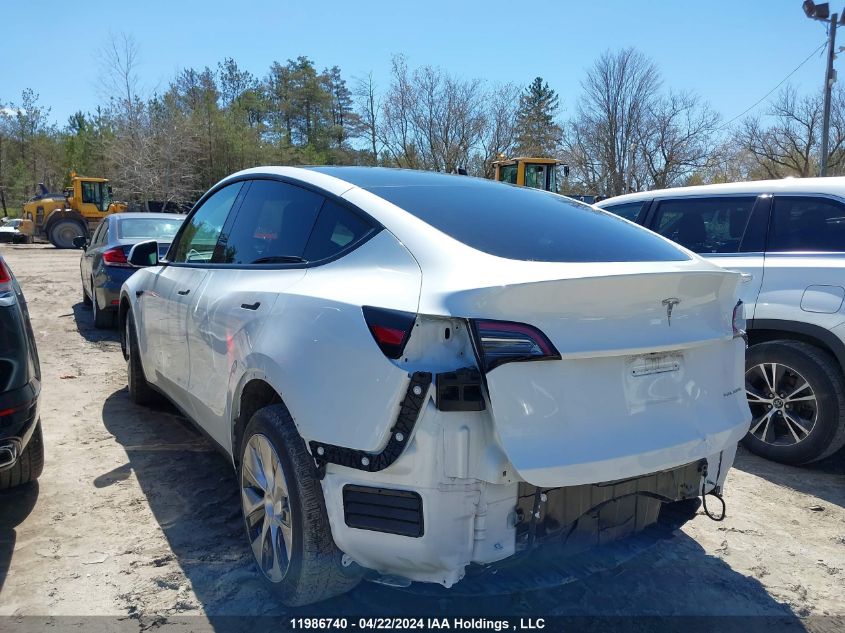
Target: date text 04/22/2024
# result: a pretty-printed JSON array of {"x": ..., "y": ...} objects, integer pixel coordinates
[{"x": 464, "y": 624}]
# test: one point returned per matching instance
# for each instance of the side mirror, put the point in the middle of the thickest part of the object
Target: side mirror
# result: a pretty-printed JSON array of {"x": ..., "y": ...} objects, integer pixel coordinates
[
  {"x": 144, "y": 254},
  {"x": 80, "y": 241}
]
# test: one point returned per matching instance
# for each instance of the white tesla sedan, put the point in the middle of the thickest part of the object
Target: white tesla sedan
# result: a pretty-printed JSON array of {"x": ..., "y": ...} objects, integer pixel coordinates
[{"x": 417, "y": 372}]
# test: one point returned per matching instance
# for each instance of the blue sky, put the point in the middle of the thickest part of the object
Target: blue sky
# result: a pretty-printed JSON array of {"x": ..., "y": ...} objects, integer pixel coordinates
[{"x": 732, "y": 52}]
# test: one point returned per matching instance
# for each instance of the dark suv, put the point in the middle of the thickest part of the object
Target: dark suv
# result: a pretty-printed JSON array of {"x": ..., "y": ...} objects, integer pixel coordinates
[{"x": 21, "y": 444}]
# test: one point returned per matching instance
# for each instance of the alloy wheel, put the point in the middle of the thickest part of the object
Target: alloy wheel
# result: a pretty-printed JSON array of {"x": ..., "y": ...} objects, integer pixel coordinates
[
  {"x": 266, "y": 507},
  {"x": 783, "y": 404}
]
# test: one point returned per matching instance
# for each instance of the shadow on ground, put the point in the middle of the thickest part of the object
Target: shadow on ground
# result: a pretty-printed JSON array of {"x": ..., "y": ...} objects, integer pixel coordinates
[
  {"x": 191, "y": 490},
  {"x": 824, "y": 479},
  {"x": 84, "y": 319},
  {"x": 15, "y": 506}
]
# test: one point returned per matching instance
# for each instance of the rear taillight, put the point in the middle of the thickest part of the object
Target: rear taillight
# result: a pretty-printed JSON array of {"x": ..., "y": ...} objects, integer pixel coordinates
[
  {"x": 116, "y": 257},
  {"x": 500, "y": 342},
  {"x": 12, "y": 410},
  {"x": 7, "y": 291},
  {"x": 390, "y": 328},
  {"x": 738, "y": 320}
]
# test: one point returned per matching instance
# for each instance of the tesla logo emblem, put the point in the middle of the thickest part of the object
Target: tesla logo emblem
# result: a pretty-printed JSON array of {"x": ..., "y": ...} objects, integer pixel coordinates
[{"x": 670, "y": 304}]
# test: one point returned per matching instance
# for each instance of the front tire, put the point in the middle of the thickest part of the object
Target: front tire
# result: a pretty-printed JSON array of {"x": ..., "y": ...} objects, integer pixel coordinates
[
  {"x": 285, "y": 513},
  {"x": 140, "y": 391},
  {"x": 63, "y": 232},
  {"x": 102, "y": 319},
  {"x": 30, "y": 464},
  {"x": 796, "y": 393}
]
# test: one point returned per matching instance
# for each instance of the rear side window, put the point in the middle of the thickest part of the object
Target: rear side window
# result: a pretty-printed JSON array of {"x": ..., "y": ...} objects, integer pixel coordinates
[
  {"x": 526, "y": 224},
  {"x": 337, "y": 229},
  {"x": 705, "y": 225},
  {"x": 628, "y": 210},
  {"x": 807, "y": 224},
  {"x": 272, "y": 226},
  {"x": 100, "y": 234}
]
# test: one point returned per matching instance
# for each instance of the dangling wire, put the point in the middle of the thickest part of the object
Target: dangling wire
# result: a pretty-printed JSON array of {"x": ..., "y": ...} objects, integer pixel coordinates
[{"x": 712, "y": 493}]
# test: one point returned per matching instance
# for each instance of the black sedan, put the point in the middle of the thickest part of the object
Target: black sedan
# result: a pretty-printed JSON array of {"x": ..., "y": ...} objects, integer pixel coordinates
[
  {"x": 104, "y": 267},
  {"x": 21, "y": 444}
]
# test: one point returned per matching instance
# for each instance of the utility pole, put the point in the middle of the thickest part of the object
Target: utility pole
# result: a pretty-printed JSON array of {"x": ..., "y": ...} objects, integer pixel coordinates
[{"x": 829, "y": 79}]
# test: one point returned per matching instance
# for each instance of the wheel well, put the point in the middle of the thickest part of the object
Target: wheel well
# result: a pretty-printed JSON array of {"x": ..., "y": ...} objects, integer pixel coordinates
[
  {"x": 756, "y": 336},
  {"x": 255, "y": 395}
]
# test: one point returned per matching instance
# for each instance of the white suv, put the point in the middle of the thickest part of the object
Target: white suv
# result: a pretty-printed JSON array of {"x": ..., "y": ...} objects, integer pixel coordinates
[
  {"x": 416, "y": 372},
  {"x": 789, "y": 236}
]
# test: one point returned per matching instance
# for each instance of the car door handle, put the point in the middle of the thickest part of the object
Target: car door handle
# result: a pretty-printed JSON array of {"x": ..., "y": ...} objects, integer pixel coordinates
[
  {"x": 183, "y": 292},
  {"x": 251, "y": 306}
]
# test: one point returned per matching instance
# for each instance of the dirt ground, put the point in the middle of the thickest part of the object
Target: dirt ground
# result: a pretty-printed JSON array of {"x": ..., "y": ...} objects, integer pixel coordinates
[{"x": 137, "y": 516}]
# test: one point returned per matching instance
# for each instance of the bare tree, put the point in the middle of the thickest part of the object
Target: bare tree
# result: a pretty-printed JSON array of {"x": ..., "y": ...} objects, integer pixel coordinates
[
  {"x": 368, "y": 108},
  {"x": 431, "y": 120},
  {"x": 675, "y": 138},
  {"x": 119, "y": 59},
  {"x": 397, "y": 134},
  {"x": 499, "y": 136},
  {"x": 787, "y": 146},
  {"x": 618, "y": 92},
  {"x": 787, "y": 141}
]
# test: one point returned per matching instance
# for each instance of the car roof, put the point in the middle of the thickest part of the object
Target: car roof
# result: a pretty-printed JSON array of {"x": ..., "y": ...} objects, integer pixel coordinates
[
  {"x": 367, "y": 177},
  {"x": 832, "y": 185},
  {"x": 137, "y": 215}
]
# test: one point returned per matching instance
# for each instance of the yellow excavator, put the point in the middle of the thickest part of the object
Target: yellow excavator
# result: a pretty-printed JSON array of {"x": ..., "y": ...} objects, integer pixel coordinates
[
  {"x": 60, "y": 217},
  {"x": 539, "y": 173}
]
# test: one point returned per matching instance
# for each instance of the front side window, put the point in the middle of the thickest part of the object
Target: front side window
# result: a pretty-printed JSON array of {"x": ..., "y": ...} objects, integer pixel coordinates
[
  {"x": 199, "y": 238},
  {"x": 807, "y": 224},
  {"x": 535, "y": 176},
  {"x": 272, "y": 226},
  {"x": 705, "y": 225}
]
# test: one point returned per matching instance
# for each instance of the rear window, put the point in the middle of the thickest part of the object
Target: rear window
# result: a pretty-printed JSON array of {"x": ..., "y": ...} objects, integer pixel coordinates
[
  {"x": 807, "y": 224},
  {"x": 529, "y": 225},
  {"x": 148, "y": 228}
]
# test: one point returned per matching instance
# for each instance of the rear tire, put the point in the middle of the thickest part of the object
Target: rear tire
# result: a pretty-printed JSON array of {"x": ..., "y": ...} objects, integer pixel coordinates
[
  {"x": 102, "y": 319},
  {"x": 819, "y": 407},
  {"x": 140, "y": 391},
  {"x": 303, "y": 564},
  {"x": 30, "y": 464},
  {"x": 62, "y": 233},
  {"x": 86, "y": 300}
]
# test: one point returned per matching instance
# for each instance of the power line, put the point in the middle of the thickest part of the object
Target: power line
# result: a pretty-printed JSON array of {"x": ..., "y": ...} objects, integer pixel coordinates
[{"x": 780, "y": 83}]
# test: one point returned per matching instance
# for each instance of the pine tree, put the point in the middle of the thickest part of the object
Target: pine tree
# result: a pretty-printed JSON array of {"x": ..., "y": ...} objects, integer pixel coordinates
[{"x": 537, "y": 132}]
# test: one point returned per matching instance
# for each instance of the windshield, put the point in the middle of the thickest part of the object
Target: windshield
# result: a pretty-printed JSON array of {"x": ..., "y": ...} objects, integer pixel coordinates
[{"x": 148, "y": 228}]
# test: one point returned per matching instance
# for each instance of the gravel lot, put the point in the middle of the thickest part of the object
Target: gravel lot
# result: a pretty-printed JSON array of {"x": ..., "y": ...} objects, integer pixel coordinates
[{"x": 137, "y": 516}]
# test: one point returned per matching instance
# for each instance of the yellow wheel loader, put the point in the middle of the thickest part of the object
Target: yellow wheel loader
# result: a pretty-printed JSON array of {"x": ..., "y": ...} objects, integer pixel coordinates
[
  {"x": 539, "y": 173},
  {"x": 60, "y": 217}
]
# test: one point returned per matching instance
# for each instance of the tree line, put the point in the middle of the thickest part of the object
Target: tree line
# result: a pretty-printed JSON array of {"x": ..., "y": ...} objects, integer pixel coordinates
[{"x": 623, "y": 131}]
